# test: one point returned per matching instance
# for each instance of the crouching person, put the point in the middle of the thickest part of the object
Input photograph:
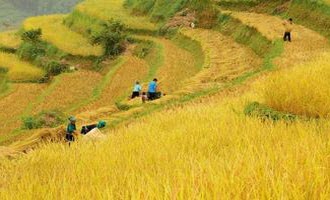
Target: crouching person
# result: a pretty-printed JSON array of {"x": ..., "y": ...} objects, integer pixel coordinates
[
  {"x": 88, "y": 128},
  {"x": 71, "y": 129}
]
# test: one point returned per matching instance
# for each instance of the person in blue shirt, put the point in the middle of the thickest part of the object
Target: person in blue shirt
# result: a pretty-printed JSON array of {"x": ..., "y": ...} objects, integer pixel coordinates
[
  {"x": 136, "y": 90},
  {"x": 152, "y": 89}
]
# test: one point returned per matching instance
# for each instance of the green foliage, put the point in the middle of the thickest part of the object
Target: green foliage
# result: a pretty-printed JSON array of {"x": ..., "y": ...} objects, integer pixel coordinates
[
  {"x": 3, "y": 80},
  {"x": 54, "y": 68},
  {"x": 122, "y": 107},
  {"x": 191, "y": 46},
  {"x": 83, "y": 24},
  {"x": 33, "y": 35},
  {"x": 7, "y": 49},
  {"x": 143, "y": 49},
  {"x": 45, "y": 119},
  {"x": 30, "y": 51},
  {"x": 112, "y": 37},
  {"x": 161, "y": 10},
  {"x": 261, "y": 111},
  {"x": 243, "y": 34}
]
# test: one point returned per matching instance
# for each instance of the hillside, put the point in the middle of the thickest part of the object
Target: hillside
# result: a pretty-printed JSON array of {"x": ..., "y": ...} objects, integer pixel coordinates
[
  {"x": 13, "y": 12},
  {"x": 244, "y": 114}
]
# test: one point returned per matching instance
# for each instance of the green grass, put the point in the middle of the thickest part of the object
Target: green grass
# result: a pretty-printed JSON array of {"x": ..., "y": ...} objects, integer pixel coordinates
[
  {"x": 243, "y": 34},
  {"x": 192, "y": 47}
]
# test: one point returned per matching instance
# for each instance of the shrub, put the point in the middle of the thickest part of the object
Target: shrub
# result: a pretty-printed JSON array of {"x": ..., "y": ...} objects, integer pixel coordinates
[
  {"x": 54, "y": 68},
  {"x": 45, "y": 119},
  {"x": 143, "y": 49},
  {"x": 30, "y": 51},
  {"x": 112, "y": 37},
  {"x": 256, "y": 109},
  {"x": 33, "y": 35},
  {"x": 123, "y": 107}
]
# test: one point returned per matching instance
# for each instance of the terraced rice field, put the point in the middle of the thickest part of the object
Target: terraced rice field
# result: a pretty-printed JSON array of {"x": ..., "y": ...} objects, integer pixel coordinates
[
  {"x": 225, "y": 59},
  {"x": 10, "y": 39},
  {"x": 13, "y": 105},
  {"x": 178, "y": 66},
  {"x": 67, "y": 91},
  {"x": 121, "y": 82},
  {"x": 108, "y": 9},
  {"x": 305, "y": 45},
  {"x": 55, "y": 32},
  {"x": 19, "y": 70}
]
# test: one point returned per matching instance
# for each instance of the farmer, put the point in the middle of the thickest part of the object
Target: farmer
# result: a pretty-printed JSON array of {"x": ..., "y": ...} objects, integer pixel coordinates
[
  {"x": 88, "y": 128},
  {"x": 152, "y": 90},
  {"x": 71, "y": 129},
  {"x": 288, "y": 27},
  {"x": 136, "y": 90}
]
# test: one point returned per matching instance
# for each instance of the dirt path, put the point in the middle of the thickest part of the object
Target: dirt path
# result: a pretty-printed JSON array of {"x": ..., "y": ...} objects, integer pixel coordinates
[{"x": 305, "y": 45}]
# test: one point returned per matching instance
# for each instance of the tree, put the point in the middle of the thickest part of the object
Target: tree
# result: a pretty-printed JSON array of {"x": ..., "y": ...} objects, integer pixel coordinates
[{"x": 112, "y": 37}]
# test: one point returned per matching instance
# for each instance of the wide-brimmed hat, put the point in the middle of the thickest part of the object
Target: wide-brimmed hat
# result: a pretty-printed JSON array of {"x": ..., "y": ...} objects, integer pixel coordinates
[{"x": 72, "y": 119}]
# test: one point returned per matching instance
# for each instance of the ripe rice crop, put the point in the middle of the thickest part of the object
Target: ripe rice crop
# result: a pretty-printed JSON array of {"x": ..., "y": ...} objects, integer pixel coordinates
[
  {"x": 68, "y": 90},
  {"x": 108, "y": 9},
  {"x": 303, "y": 90},
  {"x": 13, "y": 105},
  {"x": 19, "y": 70},
  {"x": 10, "y": 39},
  {"x": 202, "y": 151},
  {"x": 121, "y": 82},
  {"x": 179, "y": 65},
  {"x": 55, "y": 32}
]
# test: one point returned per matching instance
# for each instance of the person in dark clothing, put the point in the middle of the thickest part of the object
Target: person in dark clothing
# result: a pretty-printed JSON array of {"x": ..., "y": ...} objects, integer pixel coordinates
[
  {"x": 88, "y": 128},
  {"x": 71, "y": 128},
  {"x": 288, "y": 26}
]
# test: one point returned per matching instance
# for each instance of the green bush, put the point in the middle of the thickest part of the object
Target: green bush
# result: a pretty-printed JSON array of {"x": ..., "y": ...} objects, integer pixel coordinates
[
  {"x": 261, "y": 111},
  {"x": 33, "y": 35},
  {"x": 54, "y": 68},
  {"x": 30, "y": 51},
  {"x": 112, "y": 37},
  {"x": 123, "y": 107},
  {"x": 45, "y": 119},
  {"x": 143, "y": 49}
]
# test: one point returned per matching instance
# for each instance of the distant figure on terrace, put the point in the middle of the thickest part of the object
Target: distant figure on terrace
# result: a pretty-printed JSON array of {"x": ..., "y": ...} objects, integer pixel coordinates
[
  {"x": 288, "y": 26},
  {"x": 136, "y": 90},
  {"x": 71, "y": 129},
  {"x": 153, "y": 93}
]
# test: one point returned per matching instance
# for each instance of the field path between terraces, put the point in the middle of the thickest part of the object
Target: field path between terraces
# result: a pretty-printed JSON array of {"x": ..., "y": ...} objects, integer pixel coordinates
[{"x": 305, "y": 45}]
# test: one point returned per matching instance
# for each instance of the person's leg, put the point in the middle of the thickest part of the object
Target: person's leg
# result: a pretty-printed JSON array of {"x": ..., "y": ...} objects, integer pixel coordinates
[
  {"x": 284, "y": 37},
  {"x": 135, "y": 94},
  {"x": 289, "y": 37}
]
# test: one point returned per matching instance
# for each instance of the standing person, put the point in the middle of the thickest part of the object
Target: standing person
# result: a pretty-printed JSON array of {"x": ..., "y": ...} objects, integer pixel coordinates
[
  {"x": 136, "y": 90},
  {"x": 71, "y": 129},
  {"x": 152, "y": 90},
  {"x": 288, "y": 26}
]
